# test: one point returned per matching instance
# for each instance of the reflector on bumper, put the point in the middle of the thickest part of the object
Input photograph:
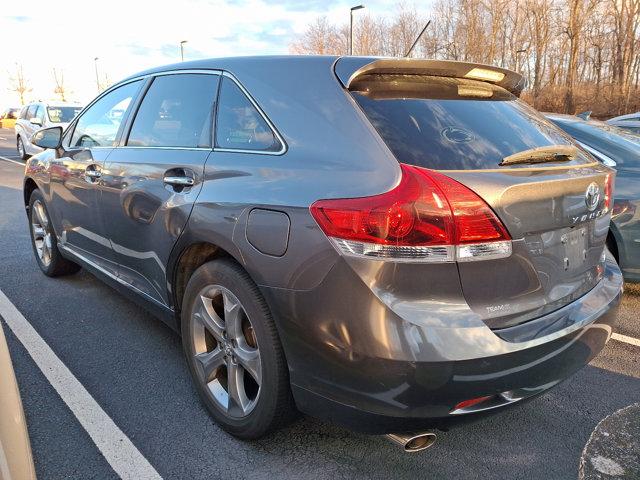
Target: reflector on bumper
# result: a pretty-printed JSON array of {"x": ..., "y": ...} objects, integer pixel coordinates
[{"x": 423, "y": 254}]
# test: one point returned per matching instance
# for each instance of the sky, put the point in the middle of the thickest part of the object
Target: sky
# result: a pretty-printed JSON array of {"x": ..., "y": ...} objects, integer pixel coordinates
[{"x": 128, "y": 36}]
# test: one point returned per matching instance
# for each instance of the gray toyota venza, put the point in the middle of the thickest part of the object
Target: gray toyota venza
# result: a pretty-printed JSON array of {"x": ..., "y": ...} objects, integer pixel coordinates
[{"x": 394, "y": 245}]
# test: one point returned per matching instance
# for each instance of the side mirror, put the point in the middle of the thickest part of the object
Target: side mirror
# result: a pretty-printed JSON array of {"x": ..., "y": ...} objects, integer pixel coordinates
[
  {"x": 36, "y": 121},
  {"x": 48, "y": 137}
]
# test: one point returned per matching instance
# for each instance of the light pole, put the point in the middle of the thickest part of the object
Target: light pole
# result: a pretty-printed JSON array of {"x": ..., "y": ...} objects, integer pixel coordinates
[
  {"x": 357, "y": 7},
  {"x": 518, "y": 52},
  {"x": 182, "y": 49},
  {"x": 95, "y": 61}
]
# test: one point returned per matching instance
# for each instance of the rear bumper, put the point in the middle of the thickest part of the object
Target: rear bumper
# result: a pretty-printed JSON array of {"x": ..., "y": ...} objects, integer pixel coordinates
[{"x": 375, "y": 372}]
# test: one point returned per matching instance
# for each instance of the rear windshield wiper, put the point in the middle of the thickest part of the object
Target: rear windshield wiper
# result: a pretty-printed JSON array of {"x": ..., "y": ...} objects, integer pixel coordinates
[{"x": 549, "y": 153}]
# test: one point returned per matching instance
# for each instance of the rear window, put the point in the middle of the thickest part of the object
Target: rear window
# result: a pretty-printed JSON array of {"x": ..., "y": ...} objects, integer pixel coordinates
[{"x": 450, "y": 123}]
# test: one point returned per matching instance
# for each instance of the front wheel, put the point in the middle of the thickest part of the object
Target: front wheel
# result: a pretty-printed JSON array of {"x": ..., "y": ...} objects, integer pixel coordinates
[
  {"x": 44, "y": 242},
  {"x": 22, "y": 153},
  {"x": 234, "y": 352}
]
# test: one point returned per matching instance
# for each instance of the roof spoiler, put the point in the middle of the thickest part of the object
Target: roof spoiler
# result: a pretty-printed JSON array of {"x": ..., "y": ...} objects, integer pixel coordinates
[{"x": 349, "y": 69}]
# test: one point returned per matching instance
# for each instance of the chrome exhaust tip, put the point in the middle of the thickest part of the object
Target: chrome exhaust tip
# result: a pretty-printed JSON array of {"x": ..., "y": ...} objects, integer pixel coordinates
[{"x": 413, "y": 442}]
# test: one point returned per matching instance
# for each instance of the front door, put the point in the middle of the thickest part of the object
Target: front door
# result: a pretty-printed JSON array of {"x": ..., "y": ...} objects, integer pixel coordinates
[
  {"x": 76, "y": 177},
  {"x": 151, "y": 181}
]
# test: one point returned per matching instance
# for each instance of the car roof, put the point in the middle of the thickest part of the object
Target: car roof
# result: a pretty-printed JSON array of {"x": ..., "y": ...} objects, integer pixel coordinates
[
  {"x": 625, "y": 116},
  {"x": 624, "y": 123},
  {"x": 62, "y": 104},
  {"x": 53, "y": 104},
  {"x": 347, "y": 68}
]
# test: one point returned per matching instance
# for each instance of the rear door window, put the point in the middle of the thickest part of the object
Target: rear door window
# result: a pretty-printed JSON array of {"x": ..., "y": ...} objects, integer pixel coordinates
[
  {"x": 177, "y": 111},
  {"x": 450, "y": 123},
  {"x": 240, "y": 126}
]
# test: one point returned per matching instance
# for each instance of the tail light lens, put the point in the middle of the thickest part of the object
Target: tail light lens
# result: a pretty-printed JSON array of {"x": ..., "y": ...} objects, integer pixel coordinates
[
  {"x": 608, "y": 191},
  {"x": 428, "y": 217}
]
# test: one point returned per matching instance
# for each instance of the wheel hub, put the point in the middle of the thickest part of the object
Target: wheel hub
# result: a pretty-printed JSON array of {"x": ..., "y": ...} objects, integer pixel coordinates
[{"x": 225, "y": 350}]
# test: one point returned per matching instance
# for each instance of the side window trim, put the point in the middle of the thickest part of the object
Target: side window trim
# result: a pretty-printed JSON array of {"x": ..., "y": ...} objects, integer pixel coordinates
[
  {"x": 70, "y": 130},
  {"x": 276, "y": 133},
  {"x": 123, "y": 134}
]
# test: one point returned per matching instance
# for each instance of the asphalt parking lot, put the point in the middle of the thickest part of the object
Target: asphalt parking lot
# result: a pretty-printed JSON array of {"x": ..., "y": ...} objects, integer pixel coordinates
[{"x": 132, "y": 365}]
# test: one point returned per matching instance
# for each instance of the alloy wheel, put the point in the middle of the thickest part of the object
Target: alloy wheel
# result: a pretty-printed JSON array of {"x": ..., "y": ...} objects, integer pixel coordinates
[
  {"x": 226, "y": 353},
  {"x": 20, "y": 148},
  {"x": 41, "y": 233}
]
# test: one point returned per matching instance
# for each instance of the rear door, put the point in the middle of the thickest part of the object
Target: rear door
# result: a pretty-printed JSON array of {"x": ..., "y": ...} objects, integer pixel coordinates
[
  {"x": 555, "y": 208},
  {"x": 151, "y": 181}
]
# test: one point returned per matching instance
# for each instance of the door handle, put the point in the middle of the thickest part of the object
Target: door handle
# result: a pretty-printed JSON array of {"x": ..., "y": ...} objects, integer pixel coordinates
[
  {"x": 179, "y": 181},
  {"x": 92, "y": 173}
]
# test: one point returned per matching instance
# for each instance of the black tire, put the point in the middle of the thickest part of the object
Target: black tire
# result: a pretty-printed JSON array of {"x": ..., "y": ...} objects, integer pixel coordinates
[
  {"x": 22, "y": 152},
  {"x": 274, "y": 405},
  {"x": 56, "y": 265}
]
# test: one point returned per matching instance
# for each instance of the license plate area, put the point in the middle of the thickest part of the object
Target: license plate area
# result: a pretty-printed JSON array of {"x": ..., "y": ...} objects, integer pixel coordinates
[{"x": 575, "y": 249}]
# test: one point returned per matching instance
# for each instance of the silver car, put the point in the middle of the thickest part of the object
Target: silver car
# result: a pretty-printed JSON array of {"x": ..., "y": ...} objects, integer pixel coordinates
[{"x": 37, "y": 115}]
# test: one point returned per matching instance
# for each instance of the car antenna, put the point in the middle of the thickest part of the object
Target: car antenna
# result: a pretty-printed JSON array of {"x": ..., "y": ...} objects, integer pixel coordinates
[
  {"x": 416, "y": 40},
  {"x": 585, "y": 115}
]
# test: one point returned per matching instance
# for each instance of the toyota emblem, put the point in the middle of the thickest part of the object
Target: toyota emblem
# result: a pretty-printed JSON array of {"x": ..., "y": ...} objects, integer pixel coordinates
[{"x": 592, "y": 196}]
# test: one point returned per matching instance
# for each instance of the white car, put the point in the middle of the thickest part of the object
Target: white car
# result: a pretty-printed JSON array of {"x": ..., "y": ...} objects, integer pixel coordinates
[
  {"x": 39, "y": 115},
  {"x": 630, "y": 122}
]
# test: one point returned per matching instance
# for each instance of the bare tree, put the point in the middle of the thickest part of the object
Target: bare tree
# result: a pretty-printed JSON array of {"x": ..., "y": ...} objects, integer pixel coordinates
[
  {"x": 321, "y": 38},
  {"x": 60, "y": 87},
  {"x": 576, "y": 54},
  {"x": 19, "y": 84}
]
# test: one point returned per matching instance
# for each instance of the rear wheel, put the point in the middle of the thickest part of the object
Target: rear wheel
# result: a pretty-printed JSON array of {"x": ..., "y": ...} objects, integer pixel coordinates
[
  {"x": 22, "y": 153},
  {"x": 234, "y": 352},
  {"x": 44, "y": 242}
]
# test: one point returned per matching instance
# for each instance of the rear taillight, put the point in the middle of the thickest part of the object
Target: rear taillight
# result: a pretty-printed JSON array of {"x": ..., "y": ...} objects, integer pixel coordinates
[
  {"x": 608, "y": 191},
  {"x": 428, "y": 217}
]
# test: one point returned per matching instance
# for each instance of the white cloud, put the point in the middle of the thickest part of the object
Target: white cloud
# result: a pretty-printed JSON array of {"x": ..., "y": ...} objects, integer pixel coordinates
[{"x": 129, "y": 35}]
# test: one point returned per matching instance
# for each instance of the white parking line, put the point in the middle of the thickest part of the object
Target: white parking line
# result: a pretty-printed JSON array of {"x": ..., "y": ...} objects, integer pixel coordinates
[
  {"x": 12, "y": 161},
  {"x": 125, "y": 459},
  {"x": 626, "y": 339}
]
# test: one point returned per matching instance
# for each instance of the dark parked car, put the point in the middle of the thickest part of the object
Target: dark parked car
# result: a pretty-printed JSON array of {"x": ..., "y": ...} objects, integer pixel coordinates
[
  {"x": 630, "y": 122},
  {"x": 394, "y": 245},
  {"x": 621, "y": 150}
]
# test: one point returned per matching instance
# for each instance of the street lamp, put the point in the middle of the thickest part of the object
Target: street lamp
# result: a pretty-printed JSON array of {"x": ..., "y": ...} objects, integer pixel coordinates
[
  {"x": 95, "y": 61},
  {"x": 182, "y": 49},
  {"x": 518, "y": 52},
  {"x": 357, "y": 7}
]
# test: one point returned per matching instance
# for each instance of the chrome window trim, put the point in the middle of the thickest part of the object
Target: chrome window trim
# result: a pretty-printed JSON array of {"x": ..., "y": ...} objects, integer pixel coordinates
[
  {"x": 134, "y": 147},
  {"x": 221, "y": 73}
]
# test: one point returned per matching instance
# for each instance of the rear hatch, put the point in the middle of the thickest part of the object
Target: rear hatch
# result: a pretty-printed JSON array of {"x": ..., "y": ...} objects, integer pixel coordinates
[{"x": 551, "y": 196}]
